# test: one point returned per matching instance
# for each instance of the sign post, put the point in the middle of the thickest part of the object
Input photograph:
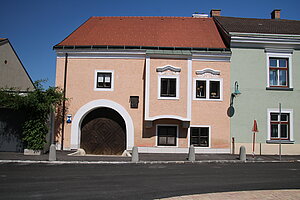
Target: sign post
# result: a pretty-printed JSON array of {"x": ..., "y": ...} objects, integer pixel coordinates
[
  {"x": 279, "y": 131},
  {"x": 254, "y": 130}
]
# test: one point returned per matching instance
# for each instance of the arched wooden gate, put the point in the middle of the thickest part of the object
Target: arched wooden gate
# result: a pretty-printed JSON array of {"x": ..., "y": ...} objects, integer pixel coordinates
[{"x": 103, "y": 131}]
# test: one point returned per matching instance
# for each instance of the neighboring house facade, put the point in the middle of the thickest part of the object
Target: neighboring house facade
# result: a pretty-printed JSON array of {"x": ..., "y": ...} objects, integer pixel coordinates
[
  {"x": 265, "y": 63},
  {"x": 13, "y": 74},
  {"x": 13, "y": 77},
  {"x": 159, "y": 83}
]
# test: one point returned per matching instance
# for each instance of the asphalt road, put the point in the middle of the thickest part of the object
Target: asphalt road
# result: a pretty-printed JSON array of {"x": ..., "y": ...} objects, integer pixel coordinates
[{"x": 141, "y": 181}]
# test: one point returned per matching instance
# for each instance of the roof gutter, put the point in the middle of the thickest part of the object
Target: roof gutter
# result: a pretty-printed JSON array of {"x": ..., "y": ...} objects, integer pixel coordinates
[{"x": 124, "y": 47}]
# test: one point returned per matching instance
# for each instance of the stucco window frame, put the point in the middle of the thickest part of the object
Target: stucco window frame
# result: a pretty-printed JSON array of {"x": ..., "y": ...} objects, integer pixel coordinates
[
  {"x": 209, "y": 135},
  {"x": 112, "y": 80},
  {"x": 156, "y": 135},
  {"x": 291, "y": 125},
  {"x": 287, "y": 56},
  {"x": 207, "y": 89},
  {"x": 177, "y": 77}
]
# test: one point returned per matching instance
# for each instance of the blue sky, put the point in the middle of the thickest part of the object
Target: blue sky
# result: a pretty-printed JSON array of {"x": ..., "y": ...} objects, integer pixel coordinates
[{"x": 35, "y": 26}]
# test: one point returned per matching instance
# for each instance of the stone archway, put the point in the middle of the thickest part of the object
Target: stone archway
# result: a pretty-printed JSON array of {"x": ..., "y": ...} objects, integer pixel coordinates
[{"x": 92, "y": 105}]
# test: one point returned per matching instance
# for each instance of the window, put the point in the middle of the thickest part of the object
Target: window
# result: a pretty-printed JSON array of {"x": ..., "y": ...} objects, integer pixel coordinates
[
  {"x": 278, "y": 72},
  {"x": 279, "y": 69},
  {"x": 201, "y": 89},
  {"x": 214, "y": 89},
  {"x": 283, "y": 131},
  {"x": 199, "y": 136},
  {"x": 208, "y": 89},
  {"x": 168, "y": 87},
  {"x": 276, "y": 126},
  {"x": 166, "y": 135},
  {"x": 104, "y": 81}
]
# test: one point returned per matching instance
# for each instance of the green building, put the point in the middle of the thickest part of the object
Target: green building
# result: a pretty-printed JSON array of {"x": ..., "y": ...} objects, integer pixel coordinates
[{"x": 265, "y": 68}]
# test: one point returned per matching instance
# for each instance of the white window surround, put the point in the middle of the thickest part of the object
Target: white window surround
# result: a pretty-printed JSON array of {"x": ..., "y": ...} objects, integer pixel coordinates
[
  {"x": 168, "y": 67},
  {"x": 200, "y": 126},
  {"x": 207, "y": 89},
  {"x": 280, "y": 55},
  {"x": 112, "y": 80},
  {"x": 177, "y": 86},
  {"x": 276, "y": 110},
  {"x": 156, "y": 135}
]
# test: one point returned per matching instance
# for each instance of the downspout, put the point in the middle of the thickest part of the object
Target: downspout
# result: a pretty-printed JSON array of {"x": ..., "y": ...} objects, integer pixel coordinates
[{"x": 64, "y": 104}]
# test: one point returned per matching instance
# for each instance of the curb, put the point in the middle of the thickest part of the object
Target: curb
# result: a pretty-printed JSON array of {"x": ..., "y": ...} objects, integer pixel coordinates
[{"x": 140, "y": 162}]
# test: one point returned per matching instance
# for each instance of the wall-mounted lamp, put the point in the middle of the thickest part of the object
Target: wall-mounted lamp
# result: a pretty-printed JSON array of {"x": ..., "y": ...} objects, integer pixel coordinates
[
  {"x": 230, "y": 111},
  {"x": 235, "y": 93},
  {"x": 236, "y": 89}
]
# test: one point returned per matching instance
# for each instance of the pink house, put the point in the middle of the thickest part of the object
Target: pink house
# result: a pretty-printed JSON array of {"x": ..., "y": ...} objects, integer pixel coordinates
[{"x": 159, "y": 83}]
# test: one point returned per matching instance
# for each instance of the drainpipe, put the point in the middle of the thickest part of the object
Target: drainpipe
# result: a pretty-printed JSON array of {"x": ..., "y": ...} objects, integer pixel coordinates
[{"x": 64, "y": 104}]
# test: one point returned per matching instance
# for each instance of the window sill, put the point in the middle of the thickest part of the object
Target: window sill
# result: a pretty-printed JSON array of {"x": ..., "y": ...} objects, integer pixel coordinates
[
  {"x": 278, "y": 142},
  {"x": 166, "y": 146},
  {"x": 168, "y": 98},
  {"x": 103, "y": 89},
  {"x": 199, "y": 99},
  {"x": 279, "y": 88}
]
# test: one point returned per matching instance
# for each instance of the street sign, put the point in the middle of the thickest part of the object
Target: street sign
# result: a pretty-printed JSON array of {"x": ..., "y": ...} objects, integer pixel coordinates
[{"x": 255, "y": 129}]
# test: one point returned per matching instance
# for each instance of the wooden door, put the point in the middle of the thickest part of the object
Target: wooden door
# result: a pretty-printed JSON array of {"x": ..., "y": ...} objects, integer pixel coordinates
[{"x": 103, "y": 136}]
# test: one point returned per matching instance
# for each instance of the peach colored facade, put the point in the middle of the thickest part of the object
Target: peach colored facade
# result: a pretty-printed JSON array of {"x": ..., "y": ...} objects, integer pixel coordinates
[{"x": 139, "y": 74}]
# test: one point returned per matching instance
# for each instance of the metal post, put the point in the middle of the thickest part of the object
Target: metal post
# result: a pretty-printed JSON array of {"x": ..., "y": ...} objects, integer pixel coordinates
[
  {"x": 233, "y": 146},
  {"x": 64, "y": 104},
  {"x": 253, "y": 145},
  {"x": 260, "y": 149},
  {"x": 279, "y": 131}
]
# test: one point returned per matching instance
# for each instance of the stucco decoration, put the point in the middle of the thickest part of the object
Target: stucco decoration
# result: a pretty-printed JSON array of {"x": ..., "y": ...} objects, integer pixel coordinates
[
  {"x": 168, "y": 68},
  {"x": 208, "y": 73},
  {"x": 85, "y": 109}
]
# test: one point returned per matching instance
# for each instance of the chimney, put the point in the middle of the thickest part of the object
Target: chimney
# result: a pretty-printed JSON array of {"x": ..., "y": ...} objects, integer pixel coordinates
[
  {"x": 215, "y": 12},
  {"x": 275, "y": 14}
]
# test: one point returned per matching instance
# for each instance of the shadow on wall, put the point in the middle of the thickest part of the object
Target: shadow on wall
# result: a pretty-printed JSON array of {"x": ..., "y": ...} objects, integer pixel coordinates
[
  {"x": 151, "y": 132},
  {"x": 58, "y": 121},
  {"x": 11, "y": 123}
]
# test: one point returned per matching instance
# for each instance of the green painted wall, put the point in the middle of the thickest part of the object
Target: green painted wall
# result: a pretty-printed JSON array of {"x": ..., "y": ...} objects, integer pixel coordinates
[{"x": 248, "y": 67}]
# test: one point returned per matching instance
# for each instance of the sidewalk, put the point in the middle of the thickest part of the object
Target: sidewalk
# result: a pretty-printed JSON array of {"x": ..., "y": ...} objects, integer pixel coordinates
[
  {"x": 144, "y": 158},
  {"x": 244, "y": 195}
]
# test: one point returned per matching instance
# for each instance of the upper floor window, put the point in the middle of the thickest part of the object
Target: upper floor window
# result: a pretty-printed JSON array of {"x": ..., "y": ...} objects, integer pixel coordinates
[
  {"x": 278, "y": 72},
  {"x": 208, "y": 89},
  {"x": 103, "y": 80},
  {"x": 168, "y": 87}
]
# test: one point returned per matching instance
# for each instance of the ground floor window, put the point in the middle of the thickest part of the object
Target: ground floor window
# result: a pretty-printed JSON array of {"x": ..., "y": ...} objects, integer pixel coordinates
[
  {"x": 166, "y": 135},
  {"x": 199, "y": 136},
  {"x": 279, "y": 124}
]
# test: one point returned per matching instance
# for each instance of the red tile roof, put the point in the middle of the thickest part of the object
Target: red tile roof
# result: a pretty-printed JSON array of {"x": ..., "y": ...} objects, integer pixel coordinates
[{"x": 146, "y": 31}]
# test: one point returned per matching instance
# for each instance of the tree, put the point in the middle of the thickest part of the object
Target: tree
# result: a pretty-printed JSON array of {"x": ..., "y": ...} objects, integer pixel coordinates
[{"x": 37, "y": 106}]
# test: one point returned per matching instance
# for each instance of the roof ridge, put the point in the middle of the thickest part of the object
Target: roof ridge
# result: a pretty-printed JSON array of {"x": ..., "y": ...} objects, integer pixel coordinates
[
  {"x": 257, "y": 18},
  {"x": 148, "y": 17}
]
